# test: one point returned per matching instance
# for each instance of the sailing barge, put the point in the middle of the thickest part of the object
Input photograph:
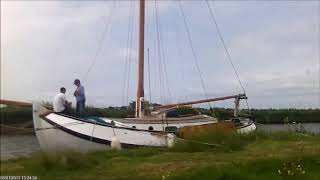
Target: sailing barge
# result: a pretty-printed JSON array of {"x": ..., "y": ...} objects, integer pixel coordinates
[{"x": 150, "y": 127}]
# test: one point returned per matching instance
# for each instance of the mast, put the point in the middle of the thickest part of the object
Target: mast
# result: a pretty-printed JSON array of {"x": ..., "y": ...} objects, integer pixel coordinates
[{"x": 140, "y": 93}]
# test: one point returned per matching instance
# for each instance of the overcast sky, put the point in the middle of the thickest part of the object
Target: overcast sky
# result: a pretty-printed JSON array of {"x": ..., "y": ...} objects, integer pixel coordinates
[{"x": 274, "y": 46}]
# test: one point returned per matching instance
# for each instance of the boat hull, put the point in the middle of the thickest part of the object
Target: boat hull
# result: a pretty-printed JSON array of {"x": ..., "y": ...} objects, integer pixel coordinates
[
  {"x": 57, "y": 132},
  {"x": 248, "y": 128}
]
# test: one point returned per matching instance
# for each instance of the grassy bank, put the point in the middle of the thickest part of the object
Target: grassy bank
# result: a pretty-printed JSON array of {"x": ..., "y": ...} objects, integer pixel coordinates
[{"x": 255, "y": 156}]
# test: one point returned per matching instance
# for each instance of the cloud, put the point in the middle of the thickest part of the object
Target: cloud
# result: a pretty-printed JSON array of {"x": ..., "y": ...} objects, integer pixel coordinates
[{"x": 46, "y": 44}]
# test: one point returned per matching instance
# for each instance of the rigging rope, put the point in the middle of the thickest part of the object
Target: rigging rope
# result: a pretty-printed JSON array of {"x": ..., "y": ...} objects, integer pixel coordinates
[
  {"x": 154, "y": 36},
  {"x": 224, "y": 44},
  {"x": 130, "y": 52},
  {"x": 200, "y": 142},
  {"x": 127, "y": 45},
  {"x": 194, "y": 53},
  {"x": 148, "y": 61},
  {"x": 163, "y": 52},
  {"x": 226, "y": 50},
  {"x": 162, "y": 91},
  {"x": 179, "y": 53},
  {"x": 106, "y": 28},
  {"x": 149, "y": 78}
]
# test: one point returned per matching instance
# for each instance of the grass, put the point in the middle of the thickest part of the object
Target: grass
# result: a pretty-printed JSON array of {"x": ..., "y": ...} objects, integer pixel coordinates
[{"x": 258, "y": 155}]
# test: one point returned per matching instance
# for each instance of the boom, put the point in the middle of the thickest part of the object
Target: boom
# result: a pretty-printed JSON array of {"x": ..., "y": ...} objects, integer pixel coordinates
[{"x": 239, "y": 96}]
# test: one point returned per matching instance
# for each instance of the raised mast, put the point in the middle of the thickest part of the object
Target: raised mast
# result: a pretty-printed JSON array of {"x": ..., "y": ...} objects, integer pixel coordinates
[{"x": 140, "y": 93}]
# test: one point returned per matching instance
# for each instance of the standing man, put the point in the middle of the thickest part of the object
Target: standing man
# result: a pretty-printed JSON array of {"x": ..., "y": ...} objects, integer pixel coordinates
[
  {"x": 60, "y": 103},
  {"x": 80, "y": 97}
]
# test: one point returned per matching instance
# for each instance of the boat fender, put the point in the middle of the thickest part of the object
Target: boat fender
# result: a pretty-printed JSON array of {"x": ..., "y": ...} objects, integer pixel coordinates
[
  {"x": 115, "y": 143},
  {"x": 170, "y": 140}
]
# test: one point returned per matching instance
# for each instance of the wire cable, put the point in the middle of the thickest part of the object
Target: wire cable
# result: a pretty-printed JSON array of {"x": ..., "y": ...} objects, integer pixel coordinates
[
  {"x": 162, "y": 91},
  {"x": 226, "y": 50},
  {"x": 161, "y": 42},
  {"x": 194, "y": 53},
  {"x": 149, "y": 81},
  {"x": 130, "y": 52},
  {"x": 105, "y": 30},
  {"x": 126, "y": 63},
  {"x": 224, "y": 45}
]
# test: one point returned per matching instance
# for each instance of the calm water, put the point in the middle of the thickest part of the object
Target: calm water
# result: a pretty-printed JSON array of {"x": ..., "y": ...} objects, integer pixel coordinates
[
  {"x": 17, "y": 146},
  {"x": 25, "y": 145},
  {"x": 310, "y": 127}
]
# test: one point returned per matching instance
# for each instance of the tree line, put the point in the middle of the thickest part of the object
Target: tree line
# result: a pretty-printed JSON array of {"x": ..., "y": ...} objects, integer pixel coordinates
[{"x": 12, "y": 115}]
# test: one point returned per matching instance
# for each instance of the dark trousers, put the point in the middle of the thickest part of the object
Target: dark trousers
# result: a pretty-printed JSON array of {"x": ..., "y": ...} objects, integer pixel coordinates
[
  {"x": 80, "y": 108},
  {"x": 66, "y": 111}
]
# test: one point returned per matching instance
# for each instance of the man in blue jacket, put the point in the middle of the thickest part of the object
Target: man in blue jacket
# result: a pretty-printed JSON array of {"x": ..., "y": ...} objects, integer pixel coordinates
[{"x": 80, "y": 97}]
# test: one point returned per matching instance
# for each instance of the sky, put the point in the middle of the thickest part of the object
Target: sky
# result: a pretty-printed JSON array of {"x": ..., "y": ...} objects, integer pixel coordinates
[{"x": 274, "y": 46}]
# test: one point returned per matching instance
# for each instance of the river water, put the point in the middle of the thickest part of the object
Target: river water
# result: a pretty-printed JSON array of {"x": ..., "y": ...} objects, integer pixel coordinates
[
  {"x": 309, "y": 127},
  {"x": 14, "y": 146}
]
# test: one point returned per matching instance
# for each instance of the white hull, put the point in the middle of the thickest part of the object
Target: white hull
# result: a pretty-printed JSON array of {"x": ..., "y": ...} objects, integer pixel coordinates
[
  {"x": 56, "y": 132},
  {"x": 59, "y": 132},
  {"x": 55, "y": 139},
  {"x": 247, "y": 128}
]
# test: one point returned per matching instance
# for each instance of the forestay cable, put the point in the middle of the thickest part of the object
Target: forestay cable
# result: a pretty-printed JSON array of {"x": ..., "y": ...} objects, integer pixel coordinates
[
  {"x": 224, "y": 45},
  {"x": 130, "y": 52},
  {"x": 194, "y": 53},
  {"x": 127, "y": 53},
  {"x": 226, "y": 50},
  {"x": 106, "y": 28}
]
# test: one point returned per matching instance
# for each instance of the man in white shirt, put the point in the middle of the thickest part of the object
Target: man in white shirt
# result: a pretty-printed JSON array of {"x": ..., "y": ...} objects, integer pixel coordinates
[{"x": 60, "y": 103}]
